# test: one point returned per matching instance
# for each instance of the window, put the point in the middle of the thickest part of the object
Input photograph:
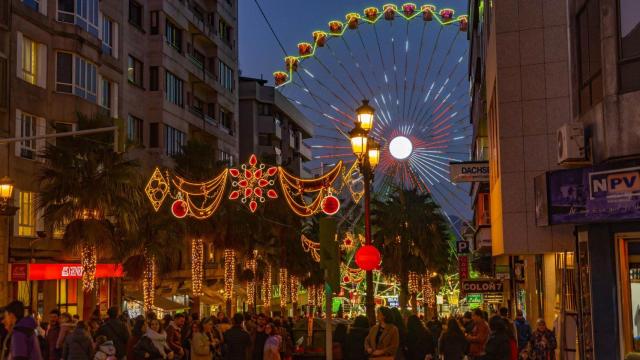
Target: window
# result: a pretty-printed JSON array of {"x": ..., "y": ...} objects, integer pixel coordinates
[
  {"x": 173, "y": 140},
  {"x": 589, "y": 63},
  {"x": 4, "y": 81},
  {"x": 31, "y": 61},
  {"x": 67, "y": 296},
  {"x": 134, "y": 71},
  {"x": 67, "y": 11},
  {"x": 629, "y": 45},
  {"x": 29, "y": 56},
  {"x": 27, "y": 127},
  {"x": 226, "y": 158},
  {"x": 226, "y": 119},
  {"x": 264, "y": 109},
  {"x": 109, "y": 36},
  {"x": 628, "y": 251},
  {"x": 76, "y": 75},
  {"x": 37, "y": 5},
  {"x": 87, "y": 16},
  {"x": 153, "y": 78},
  {"x": 135, "y": 13},
  {"x": 225, "y": 76},
  {"x": 264, "y": 139},
  {"x": 224, "y": 30},
  {"x": 105, "y": 93},
  {"x": 155, "y": 19},
  {"x": 26, "y": 214},
  {"x": 134, "y": 130},
  {"x": 173, "y": 89},
  {"x": 198, "y": 106},
  {"x": 173, "y": 35}
]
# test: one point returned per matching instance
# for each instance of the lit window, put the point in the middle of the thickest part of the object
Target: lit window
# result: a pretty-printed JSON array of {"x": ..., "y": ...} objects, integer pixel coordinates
[
  {"x": 29, "y": 59},
  {"x": 67, "y": 296},
  {"x": 26, "y": 214},
  {"x": 105, "y": 94},
  {"x": 134, "y": 71}
]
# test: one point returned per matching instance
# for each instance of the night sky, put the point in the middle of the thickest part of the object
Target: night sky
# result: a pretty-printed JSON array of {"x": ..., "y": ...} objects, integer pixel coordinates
[{"x": 294, "y": 21}]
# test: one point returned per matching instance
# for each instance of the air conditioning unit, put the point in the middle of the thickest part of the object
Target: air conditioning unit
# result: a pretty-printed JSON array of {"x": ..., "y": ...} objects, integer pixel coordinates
[{"x": 571, "y": 143}]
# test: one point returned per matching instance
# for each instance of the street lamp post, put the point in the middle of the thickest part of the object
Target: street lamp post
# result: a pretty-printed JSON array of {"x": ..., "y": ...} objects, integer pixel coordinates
[{"x": 367, "y": 150}]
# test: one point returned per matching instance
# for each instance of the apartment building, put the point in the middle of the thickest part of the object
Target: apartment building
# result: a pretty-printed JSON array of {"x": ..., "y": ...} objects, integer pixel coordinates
[
  {"x": 273, "y": 128},
  {"x": 556, "y": 91},
  {"x": 166, "y": 69}
]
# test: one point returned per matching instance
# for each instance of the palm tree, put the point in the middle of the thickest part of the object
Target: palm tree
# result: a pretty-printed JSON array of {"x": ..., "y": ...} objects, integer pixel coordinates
[
  {"x": 412, "y": 234},
  {"x": 90, "y": 190}
]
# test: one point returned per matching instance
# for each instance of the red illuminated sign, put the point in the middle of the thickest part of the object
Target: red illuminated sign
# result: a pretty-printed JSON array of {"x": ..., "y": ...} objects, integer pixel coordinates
[
  {"x": 18, "y": 272},
  {"x": 71, "y": 271}
]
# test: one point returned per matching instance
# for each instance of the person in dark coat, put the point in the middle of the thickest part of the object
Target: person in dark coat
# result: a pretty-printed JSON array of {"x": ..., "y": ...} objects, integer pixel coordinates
[
  {"x": 21, "y": 342},
  {"x": 498, "y": 345},
  {"x": 354, "y": 345},
  {"x": 467, "y": 323},
  {"x": 78, "y": 345},
  {"x": 452, "y": 344},
  {"x": 139, "y": 329},
  {"x": 420, "y": 341},
  {"x": 113, "y": 329},
  {"x": 51, "y": 336},
  {"x": 236, "y": 340},
  {"x": 259, "y": 337}
]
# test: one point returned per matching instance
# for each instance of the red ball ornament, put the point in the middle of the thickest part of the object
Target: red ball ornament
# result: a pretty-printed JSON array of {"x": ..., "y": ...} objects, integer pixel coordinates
[
  {"x": 368, "y": 258},
  {"x": 330, "y": 205},
  {"x": 179, "y": 208}
]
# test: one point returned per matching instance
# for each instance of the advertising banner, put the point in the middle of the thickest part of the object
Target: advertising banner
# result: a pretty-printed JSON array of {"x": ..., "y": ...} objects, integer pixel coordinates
[
  {"x": 472, "y": 171},
  {"x": 481, "y": 286}
]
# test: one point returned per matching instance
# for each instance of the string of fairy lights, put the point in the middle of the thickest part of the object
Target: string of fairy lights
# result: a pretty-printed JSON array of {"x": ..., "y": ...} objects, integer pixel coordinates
[
  {"x": 197, "y": 266},
  {"x": 229, "y": 273}
]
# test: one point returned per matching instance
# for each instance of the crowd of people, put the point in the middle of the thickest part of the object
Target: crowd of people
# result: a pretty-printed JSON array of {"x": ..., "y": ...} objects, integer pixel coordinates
[{"x": 473, "y": 336}]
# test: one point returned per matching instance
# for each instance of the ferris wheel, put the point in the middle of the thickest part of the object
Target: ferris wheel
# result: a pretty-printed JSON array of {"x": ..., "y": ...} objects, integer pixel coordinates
[{"x": 410, "y": 63}]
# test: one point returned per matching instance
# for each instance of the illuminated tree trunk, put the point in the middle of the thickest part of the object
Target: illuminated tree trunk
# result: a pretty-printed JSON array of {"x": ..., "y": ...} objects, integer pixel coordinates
[{"x": 229, "y": 277}]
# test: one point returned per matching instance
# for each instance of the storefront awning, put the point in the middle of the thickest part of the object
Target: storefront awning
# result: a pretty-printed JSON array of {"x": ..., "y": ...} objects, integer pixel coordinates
[
  {"x": 159, "y": 301},
  {"x": 24, "y": 272}
]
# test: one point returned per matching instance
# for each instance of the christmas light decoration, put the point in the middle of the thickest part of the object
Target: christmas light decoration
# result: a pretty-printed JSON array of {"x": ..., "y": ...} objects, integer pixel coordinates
[
  {"x": 311, "y": 295},
  {"x": 313, "y": 248},
  {"x": 283, "y": 282},
  {"x": 209, "y": 194},
  {"x": 179, "y": 208},
  {"x": 148, "y": 282},
  {"x": 229, "y": 272},
  {"x": 428, "y": 295},
  {"x": 414, "y": 283},
  {"x": 330, "y": 205},
  {"x": 266, "y": 287},
  {"x": 157, "y": 189},
  {"x": 89, "y": 259},
  {"x": 296, "y": 189},
  {"x": 252, "y": 183},
  {"x": 251, "y": 264},
  {"x": 293, "y": 288},
  {"x": 197, "y": 257},
  {"x": 368, "y": 257}
]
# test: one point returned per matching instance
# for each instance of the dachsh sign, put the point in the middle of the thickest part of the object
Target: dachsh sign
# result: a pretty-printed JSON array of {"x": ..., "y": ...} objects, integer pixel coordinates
[{"x": 470, "y": 171}]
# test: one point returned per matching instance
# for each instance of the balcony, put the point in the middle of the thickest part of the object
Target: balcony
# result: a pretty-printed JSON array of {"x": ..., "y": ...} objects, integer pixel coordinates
[
  {"x": 305, "y": 151},
  {"x": 482, "y": 239},
  {"x": 267, "y": 125}
]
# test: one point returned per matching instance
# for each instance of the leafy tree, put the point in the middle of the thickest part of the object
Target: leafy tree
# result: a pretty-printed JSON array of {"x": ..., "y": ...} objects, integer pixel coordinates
[
  {"x": 90, "y": 190},
  {"x": 412, "y": 235}
]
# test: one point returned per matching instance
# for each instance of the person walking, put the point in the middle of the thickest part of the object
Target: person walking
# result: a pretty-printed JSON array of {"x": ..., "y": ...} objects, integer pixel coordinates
[
  {"x": 105, "y": 350},
  {"x": 21, "y": 341},
  {"x": 139, "y": 328},
  {"x": 543, "y": 343},
  {"x": 201, "y": 344},
  {"x": 78, "y": 345},
  {"x": 273, "y": 343},
  {"x": 174, "y": 336},
  {"x": 354, "y": 349},
  {"x": 66, "y": 327},
  {"x": 113, "y": 329},
  {"x": 420, "y": 342},
  {"x": 523, "y": 331},
  {"x": 452, "y": 344},
  {"x": 259, "y": 337},
  {"x": 479, "y": 335},
  {"x": 51, "y": 335},
  {"x": 237, "y": 341},
  {"x": 383, "y": 339},
  {"x": 153, "y": 344},
  {"x": 467, "y": 322},
  {"x": 498, "y": 344}
]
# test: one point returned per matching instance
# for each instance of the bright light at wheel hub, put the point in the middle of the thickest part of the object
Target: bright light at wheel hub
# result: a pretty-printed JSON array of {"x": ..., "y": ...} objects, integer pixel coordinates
[{"x": 400, "y": 147}]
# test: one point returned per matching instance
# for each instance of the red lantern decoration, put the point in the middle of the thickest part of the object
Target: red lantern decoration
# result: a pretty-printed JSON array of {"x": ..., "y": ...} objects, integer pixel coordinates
[
  {"x": 179, "y": 208},
  {"x": 330, "y": 205},
  {"x": 368, "y": 258}
]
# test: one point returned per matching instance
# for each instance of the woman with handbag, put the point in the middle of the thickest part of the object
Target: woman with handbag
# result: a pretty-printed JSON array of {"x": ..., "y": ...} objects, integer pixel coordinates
[{"x": 383, "y": 340}]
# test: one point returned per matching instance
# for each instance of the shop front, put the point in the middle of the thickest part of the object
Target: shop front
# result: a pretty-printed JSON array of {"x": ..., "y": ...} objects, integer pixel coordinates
[
  {"x": 604, "y": 204},
  {"x": 43, "y": 287}
]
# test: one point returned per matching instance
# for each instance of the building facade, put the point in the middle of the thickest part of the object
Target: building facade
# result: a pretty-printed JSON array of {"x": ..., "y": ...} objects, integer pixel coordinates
[
  {"x": 273, "y": 128},
  {"x": 556, "y": 113},
  {"x": 166, "y": 70}
]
